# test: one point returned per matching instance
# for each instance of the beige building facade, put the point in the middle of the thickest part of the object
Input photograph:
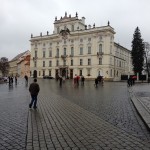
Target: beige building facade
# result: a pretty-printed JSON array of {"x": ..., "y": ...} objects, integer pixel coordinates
[
  {"x": 14, "y": 65},
  {"x": 75, "y": 48}
]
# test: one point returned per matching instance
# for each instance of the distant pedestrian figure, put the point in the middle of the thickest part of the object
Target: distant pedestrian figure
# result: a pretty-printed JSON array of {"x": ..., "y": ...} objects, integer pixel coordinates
[
  {"x": 75, "y": 80},
  {"x": 26, "y": 79},
  {"x": 129, "y": 81},
  {"x": 12, "y": 80},
  {"x": 78, "y": 78},
  {"x": 15, "y": 79},
  {"x": 9, "y": 79},
  {"x": 34, "y": 90},
  {"x": 60, "y": 80},
  {"x": 82, "y": 80},
  {"x": 96, "y": 82}
]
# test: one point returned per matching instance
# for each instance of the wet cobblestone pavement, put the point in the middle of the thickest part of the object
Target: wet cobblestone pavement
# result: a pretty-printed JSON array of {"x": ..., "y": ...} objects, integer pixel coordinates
[
  {"x": 13, "y": 116},
  {"x": 70, "y": 118}
]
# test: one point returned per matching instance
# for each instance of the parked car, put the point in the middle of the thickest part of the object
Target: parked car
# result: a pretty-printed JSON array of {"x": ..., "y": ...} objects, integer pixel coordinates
[
  {"x": 3, "y": 79},
  {"x": 48, "y": 77}
]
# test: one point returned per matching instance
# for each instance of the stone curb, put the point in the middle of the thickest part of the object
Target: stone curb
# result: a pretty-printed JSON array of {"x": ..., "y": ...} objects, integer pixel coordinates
[{"x": 141, "y": 109}]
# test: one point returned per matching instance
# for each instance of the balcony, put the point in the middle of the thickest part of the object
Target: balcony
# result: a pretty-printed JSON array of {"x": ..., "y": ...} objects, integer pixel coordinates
[
  {"x": 64, "y": 56},
  {"x": 63, "y": 66},
  {"x": 35, "y": 58},
  {"x": 71, "y": 55},
  {"x": 99, "y": 53}
]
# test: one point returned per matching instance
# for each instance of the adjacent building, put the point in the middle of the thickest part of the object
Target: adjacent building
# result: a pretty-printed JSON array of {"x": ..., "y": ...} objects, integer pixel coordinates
[
  {"x": 20, "y": 64},
  {"x": 75, "y": 48}
]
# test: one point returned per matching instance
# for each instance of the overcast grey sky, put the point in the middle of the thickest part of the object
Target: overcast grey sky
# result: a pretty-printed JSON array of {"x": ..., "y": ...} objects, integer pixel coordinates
[{"x": 20, "y": 18}]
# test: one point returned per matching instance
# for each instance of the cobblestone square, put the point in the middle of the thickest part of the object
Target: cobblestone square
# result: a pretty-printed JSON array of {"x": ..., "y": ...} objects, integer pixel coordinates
[{"x": 70, "y": 118}]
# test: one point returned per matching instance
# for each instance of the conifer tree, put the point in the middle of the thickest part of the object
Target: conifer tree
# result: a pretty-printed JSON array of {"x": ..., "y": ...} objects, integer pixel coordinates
[{"x": 137, "y": 52}]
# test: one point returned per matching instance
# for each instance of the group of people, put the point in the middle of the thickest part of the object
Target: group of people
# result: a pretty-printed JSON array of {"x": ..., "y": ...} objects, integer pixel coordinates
[
  {"x": 99, "y": 79},
  {"x": 77, "y": 78},
  {"x": 131, "y": 80},
  {"x": 11, "y": 80},
  {"x": 34, "y": 87}
]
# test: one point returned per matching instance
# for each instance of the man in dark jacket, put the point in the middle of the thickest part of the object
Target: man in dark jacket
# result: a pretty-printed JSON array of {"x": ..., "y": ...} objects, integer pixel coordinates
[{"x": 34, "y": 90}]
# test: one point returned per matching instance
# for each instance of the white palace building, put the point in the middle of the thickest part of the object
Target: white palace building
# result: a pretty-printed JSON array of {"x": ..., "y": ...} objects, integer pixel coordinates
[{"x": 75, "y": 48}]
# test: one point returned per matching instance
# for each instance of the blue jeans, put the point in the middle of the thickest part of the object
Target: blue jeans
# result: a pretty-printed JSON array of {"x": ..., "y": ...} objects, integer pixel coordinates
[{"x": 34, "y": 100}]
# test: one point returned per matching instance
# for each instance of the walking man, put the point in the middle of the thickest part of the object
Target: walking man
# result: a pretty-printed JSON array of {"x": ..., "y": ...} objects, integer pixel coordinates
[
  {"x": 26, "y": 79},
  {"x": 34, "y": 90}
]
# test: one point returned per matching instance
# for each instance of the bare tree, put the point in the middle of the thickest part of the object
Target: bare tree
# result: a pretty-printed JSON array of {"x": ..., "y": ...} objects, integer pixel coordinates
[{"x": 4, "y": 66}]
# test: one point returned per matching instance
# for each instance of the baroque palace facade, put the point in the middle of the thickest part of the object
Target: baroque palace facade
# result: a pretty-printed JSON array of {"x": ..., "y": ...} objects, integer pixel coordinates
[{"x": 75, "y": 48}]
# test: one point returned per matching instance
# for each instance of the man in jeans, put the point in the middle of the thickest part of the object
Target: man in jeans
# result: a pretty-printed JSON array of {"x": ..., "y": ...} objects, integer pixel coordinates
[{"x": 34, "y": 90}]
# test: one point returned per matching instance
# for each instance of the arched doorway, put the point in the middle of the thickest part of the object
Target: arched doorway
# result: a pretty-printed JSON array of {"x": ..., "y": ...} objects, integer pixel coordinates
[{"x": 34, "y": 74}]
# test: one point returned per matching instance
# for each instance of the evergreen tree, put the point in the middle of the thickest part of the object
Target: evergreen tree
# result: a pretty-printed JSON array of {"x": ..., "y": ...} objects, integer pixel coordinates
[
  {"x": 4, "y": 66},
  {"x": 137, "y": 52}
]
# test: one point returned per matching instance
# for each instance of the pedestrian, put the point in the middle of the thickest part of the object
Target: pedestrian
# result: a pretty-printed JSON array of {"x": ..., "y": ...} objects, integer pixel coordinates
[
  {"x": 12, "y": 80},
  {"x": 9, "y": 80},
  {"x": 129, "y": 81},
  {"x": 82, "y": 80},
  {"x": 34, "y": 90},
  {"x": 96, "y": 82},
  {"x": 60, "y": 80},
  {"x": 78, "y": 78},
  {"x": 75, "y": 79},
  {"x": 26, "y": 79},
  {"x": 15, "y": 79}
]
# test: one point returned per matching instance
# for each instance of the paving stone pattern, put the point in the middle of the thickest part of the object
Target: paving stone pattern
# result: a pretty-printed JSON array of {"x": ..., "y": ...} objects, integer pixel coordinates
[
  {"x": 70, "y": 118},
  {"x": 61, "y": 124},
  {"x": 110, "y": 102},
  {"x": 13, "y": 116}
]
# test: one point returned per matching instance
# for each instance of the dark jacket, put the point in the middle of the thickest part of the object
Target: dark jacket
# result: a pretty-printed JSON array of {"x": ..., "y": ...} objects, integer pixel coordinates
[{"x": 34, "y": 88}]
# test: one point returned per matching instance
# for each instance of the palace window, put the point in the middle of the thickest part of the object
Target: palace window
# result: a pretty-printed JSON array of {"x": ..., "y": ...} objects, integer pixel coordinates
[
  {"x": 71, "y": 62},
  {"x": 80, "y": 73},
  {"x": 88, "y": 71},
  {"x": 64, "y": 62},
  {"x": 43, "y": 54},
  {"x": 50, "y": 63},
  {"x": 57, "y": 62},
  {"x": 50, "y": 53},
  {"x": 81, "y": 62},
  {"x": 89, "y": 49},
  {"x": 43, "y": 63},
  {"x": 64, "y": 51},
  {"x": 81, "y": 50},
  {"x": 89, "y": 39},
  {"x": 72, "y": 51},
  {"x": 50, "y": 73},
  {"x": 35, "y": 64},
  {"x": 100, "y": 48},
  {"x": 57, "y": 53},
  {"x": 43, "y": 72},
  {"x": 35, "y": 54},
  {"x": 100, "y": 61},
  {"x": 81, "y": 40},
  {"x": 89, "y": 61}
]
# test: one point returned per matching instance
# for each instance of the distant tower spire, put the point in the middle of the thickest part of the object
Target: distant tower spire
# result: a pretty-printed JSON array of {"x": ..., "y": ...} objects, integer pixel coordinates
[
  {"x": 108, "y": 23},
  {"x": 94, "y": 25},
  {"x": 65, "y": 14},
  {"x": 76, "y": 14},
  {"x": 55, "y": 18}
]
